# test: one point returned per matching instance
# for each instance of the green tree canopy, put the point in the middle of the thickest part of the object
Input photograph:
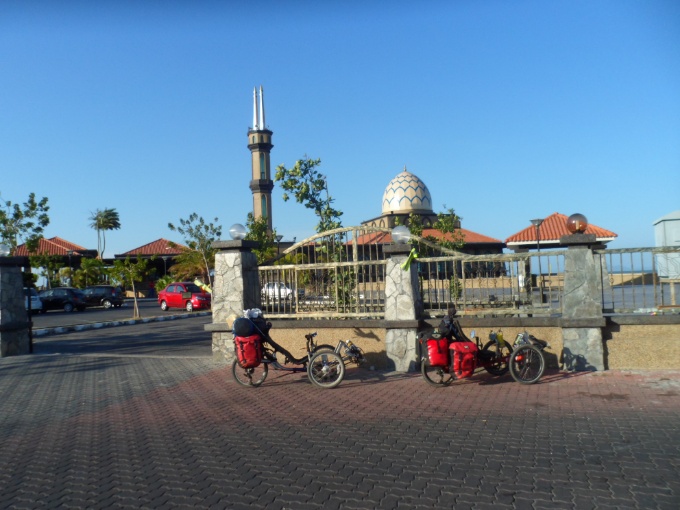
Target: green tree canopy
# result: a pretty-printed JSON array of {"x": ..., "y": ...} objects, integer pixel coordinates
[
  {"x": 310, "y": 187},
  {"x": 258, "y": 230},
  {"x": 126, "y": 272},
  {"x": 101, "y": 221},
  {"x": 198, "y": 237},
  {"x": 23, "y": 223}
]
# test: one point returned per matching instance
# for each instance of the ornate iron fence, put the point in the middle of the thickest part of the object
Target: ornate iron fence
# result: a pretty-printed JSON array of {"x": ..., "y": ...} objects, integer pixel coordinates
[
  {"x": 504, "y": 284},
  {"x": 341, "y": 274}
]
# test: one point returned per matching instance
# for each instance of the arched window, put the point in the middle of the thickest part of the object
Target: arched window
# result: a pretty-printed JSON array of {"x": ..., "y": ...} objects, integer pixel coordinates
[
  {"x": 263, "y": 170},
  {"x": 264, "y": 206}
]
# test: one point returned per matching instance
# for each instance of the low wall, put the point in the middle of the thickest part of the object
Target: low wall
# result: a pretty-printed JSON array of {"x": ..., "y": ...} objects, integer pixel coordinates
[
  {"x": 642, "y": 343},
  {"x": 631, "y": 342}
]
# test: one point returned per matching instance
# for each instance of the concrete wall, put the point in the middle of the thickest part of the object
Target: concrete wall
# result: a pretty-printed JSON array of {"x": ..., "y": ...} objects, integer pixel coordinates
[{"x": 630, "y": 342}]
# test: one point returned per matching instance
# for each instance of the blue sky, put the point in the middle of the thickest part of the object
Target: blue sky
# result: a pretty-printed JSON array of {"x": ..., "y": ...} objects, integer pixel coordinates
[{"x": 507, "y": 110}]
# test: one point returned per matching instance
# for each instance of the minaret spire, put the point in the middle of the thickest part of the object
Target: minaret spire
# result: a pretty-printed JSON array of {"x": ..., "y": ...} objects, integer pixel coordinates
[
  {"x": 262, "y": 124},
  {"x": 260, "y": 143},
  {"x": 256, "y": 115}
]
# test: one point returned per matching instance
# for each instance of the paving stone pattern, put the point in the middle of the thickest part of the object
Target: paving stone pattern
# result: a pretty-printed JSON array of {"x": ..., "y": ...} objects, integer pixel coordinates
[{"x": 177, "y": 432}]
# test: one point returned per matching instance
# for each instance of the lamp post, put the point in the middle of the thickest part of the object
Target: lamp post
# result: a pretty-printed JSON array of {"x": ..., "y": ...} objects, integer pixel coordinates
[
  {"x": 537, "y": 224},
  {"x": 278, "y": 244},
  {"x": 165, "y": 265}
]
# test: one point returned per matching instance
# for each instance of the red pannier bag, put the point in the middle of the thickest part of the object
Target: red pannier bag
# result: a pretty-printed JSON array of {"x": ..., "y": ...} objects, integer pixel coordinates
[
  {"x": 438, "y": 352},
  {"x": 464, "y": 358},
  {"x": 248, "y": 350}
]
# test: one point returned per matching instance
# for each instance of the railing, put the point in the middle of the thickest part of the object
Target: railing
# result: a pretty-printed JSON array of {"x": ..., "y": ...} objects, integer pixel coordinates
[
  {"x": 507, "y": 284},
  {"x": 341, "y": 274},
  {"x": 337, "y": 274},
  {"x": 640, "y": 280}
]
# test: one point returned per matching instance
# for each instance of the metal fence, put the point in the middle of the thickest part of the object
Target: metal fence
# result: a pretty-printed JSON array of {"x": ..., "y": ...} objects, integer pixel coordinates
[
  {"x": 337, "y": 274},
  {"x": 341, "y": 274},
  {"x": 640, "y": 280},
  {"x": 507, "y": 284}
]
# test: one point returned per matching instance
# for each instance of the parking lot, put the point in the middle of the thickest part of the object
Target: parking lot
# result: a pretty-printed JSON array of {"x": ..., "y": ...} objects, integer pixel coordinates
[{"x": 143, "y": 417}]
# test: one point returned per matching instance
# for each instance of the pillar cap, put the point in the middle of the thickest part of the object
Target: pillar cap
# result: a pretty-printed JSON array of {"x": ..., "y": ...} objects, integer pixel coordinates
[
  {"x": 397, "y": 249},
  {"x": 578, "y": 240},
  {"x": 241, "y": 245}
]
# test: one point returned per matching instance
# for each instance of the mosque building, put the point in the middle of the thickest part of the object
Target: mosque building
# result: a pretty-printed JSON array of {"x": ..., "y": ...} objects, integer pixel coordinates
[{"x": 407, "y": 194}]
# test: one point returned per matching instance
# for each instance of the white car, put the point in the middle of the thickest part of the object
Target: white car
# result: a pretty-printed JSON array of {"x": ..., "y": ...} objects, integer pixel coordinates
[
  {"x": 278, "y": 290},
  {"x": 36, "y": 303}
]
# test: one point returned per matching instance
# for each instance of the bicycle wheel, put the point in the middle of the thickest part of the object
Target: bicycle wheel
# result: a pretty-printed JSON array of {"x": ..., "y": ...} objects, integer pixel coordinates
[
  {"x": 493, "y": 359},
  {"x": 436, "y": 376},
  {"x": 326, "y": 369},
  {"x": 252, "y": 377},
  {"x": 323, "y": 347},
  {"x": 527, "y": 364}
]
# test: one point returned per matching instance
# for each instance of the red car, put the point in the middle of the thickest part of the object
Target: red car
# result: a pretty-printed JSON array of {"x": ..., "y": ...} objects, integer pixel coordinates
[{"x": 185, "y": 295}]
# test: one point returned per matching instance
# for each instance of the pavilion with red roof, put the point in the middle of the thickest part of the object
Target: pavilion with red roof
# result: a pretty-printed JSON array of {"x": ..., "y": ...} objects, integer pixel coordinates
[
  {"x": 55, "y": 246},
  {"x": 549, "y": 233}
]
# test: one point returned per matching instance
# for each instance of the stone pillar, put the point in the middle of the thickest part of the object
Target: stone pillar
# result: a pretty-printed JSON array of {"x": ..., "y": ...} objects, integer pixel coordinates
[
  {"x": 14, "y": 324},
  {"x": 403, "y": 308},
  {"x": 582, "y": 319},
  {"x": 236, "y": 287}
]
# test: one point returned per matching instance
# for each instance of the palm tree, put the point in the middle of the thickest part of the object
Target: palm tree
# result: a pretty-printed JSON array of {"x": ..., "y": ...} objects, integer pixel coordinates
[{"x": 102, "y": 221}]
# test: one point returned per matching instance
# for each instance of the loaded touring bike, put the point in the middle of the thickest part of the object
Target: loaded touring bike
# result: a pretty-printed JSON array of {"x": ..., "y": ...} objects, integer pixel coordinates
[
  {"x": 448, "y": 354},
  {"x": 256, "y": 351}
]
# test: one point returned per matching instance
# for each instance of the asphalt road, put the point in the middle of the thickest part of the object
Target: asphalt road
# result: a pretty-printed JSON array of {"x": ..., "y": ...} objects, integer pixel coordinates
[
  {"x": 57, "y": 318},
  {"x": 185, "y": 338}
]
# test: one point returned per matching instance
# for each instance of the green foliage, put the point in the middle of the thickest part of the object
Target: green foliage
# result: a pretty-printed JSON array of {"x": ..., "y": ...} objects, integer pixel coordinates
[
  {"x": 188, "y": 265},
  {"x": 449, "y": 223},
  {"x": 258, "y": 230},
  {"x": 415, "y": 224},
  {"x": 163, "y": 282},
  {"x": 25, "y": 222},
  {"x": 127, "y": 273},
  {"x": 49, "y": 266},
  {"x": 310, "y": 187},
  {"x": 198, "y": 237},
  {"x": 91, "y": 272},
  {"x": 102, "y": 221}
]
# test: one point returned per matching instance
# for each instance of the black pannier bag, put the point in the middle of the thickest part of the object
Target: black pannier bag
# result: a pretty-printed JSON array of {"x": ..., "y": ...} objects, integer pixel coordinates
[{"x": 243, "y": 327}]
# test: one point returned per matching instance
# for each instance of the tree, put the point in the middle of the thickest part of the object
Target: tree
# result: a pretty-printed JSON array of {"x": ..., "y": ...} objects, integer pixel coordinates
[
  {"x": 258, "y": 230},
  {"x": 126, "y": 272},
  {"x": 91, "y": 272},
  {"x": 198, "y": 236},
  {"x": 310, "y": 187},
  {"x": 50, "y": 266},
  {"x": 24, "y": 223},
  {"x": 102, "y": 221}
]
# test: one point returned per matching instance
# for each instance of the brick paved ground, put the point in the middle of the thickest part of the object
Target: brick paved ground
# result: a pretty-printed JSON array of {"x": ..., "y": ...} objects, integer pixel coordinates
[{"x": 102, "y": 431}]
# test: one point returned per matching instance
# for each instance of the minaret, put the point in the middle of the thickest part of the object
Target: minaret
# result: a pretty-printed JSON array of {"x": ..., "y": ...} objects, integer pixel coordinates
[{"x": 260, "y": 143}]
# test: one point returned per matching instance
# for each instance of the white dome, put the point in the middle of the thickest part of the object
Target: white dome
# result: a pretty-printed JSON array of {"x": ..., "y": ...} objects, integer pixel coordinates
[{"x": 406, "y": 193}]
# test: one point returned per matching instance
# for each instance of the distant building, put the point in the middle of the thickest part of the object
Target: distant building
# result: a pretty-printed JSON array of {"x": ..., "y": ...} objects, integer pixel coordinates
[
  {"x": 667, "y": 233},
  {"x": 407, "y": 194},
  {"x": 549, "y": 233}
]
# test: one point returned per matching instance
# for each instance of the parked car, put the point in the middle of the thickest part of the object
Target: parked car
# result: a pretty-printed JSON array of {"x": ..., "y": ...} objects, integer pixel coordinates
[
  {"x": 279, "y": 290},
  {"x": 63, "y": 298},
  {"x": 103, "y": 295},
  {"x": 36, "y": 303},
  {"x": 185, "y": 295}
]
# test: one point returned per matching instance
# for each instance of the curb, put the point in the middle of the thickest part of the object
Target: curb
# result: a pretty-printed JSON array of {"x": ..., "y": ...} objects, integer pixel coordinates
[{"x": 57, "y": 330}]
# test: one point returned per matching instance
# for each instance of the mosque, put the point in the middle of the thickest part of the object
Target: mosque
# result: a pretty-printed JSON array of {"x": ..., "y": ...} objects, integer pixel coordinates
[{"x": 404, "y": 195}]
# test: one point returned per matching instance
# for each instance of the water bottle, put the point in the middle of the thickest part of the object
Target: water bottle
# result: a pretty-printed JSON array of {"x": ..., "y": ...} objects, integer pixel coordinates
[{"x": 499, "y": 337}]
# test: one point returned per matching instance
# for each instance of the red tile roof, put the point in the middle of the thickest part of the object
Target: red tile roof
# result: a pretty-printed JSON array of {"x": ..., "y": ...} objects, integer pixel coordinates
[
  {"x": 554, "y": 227},
  {"x": 52, "y": 246},
  {"x": 159, "y": 247},
  {"x": 468, "y": 236}
]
